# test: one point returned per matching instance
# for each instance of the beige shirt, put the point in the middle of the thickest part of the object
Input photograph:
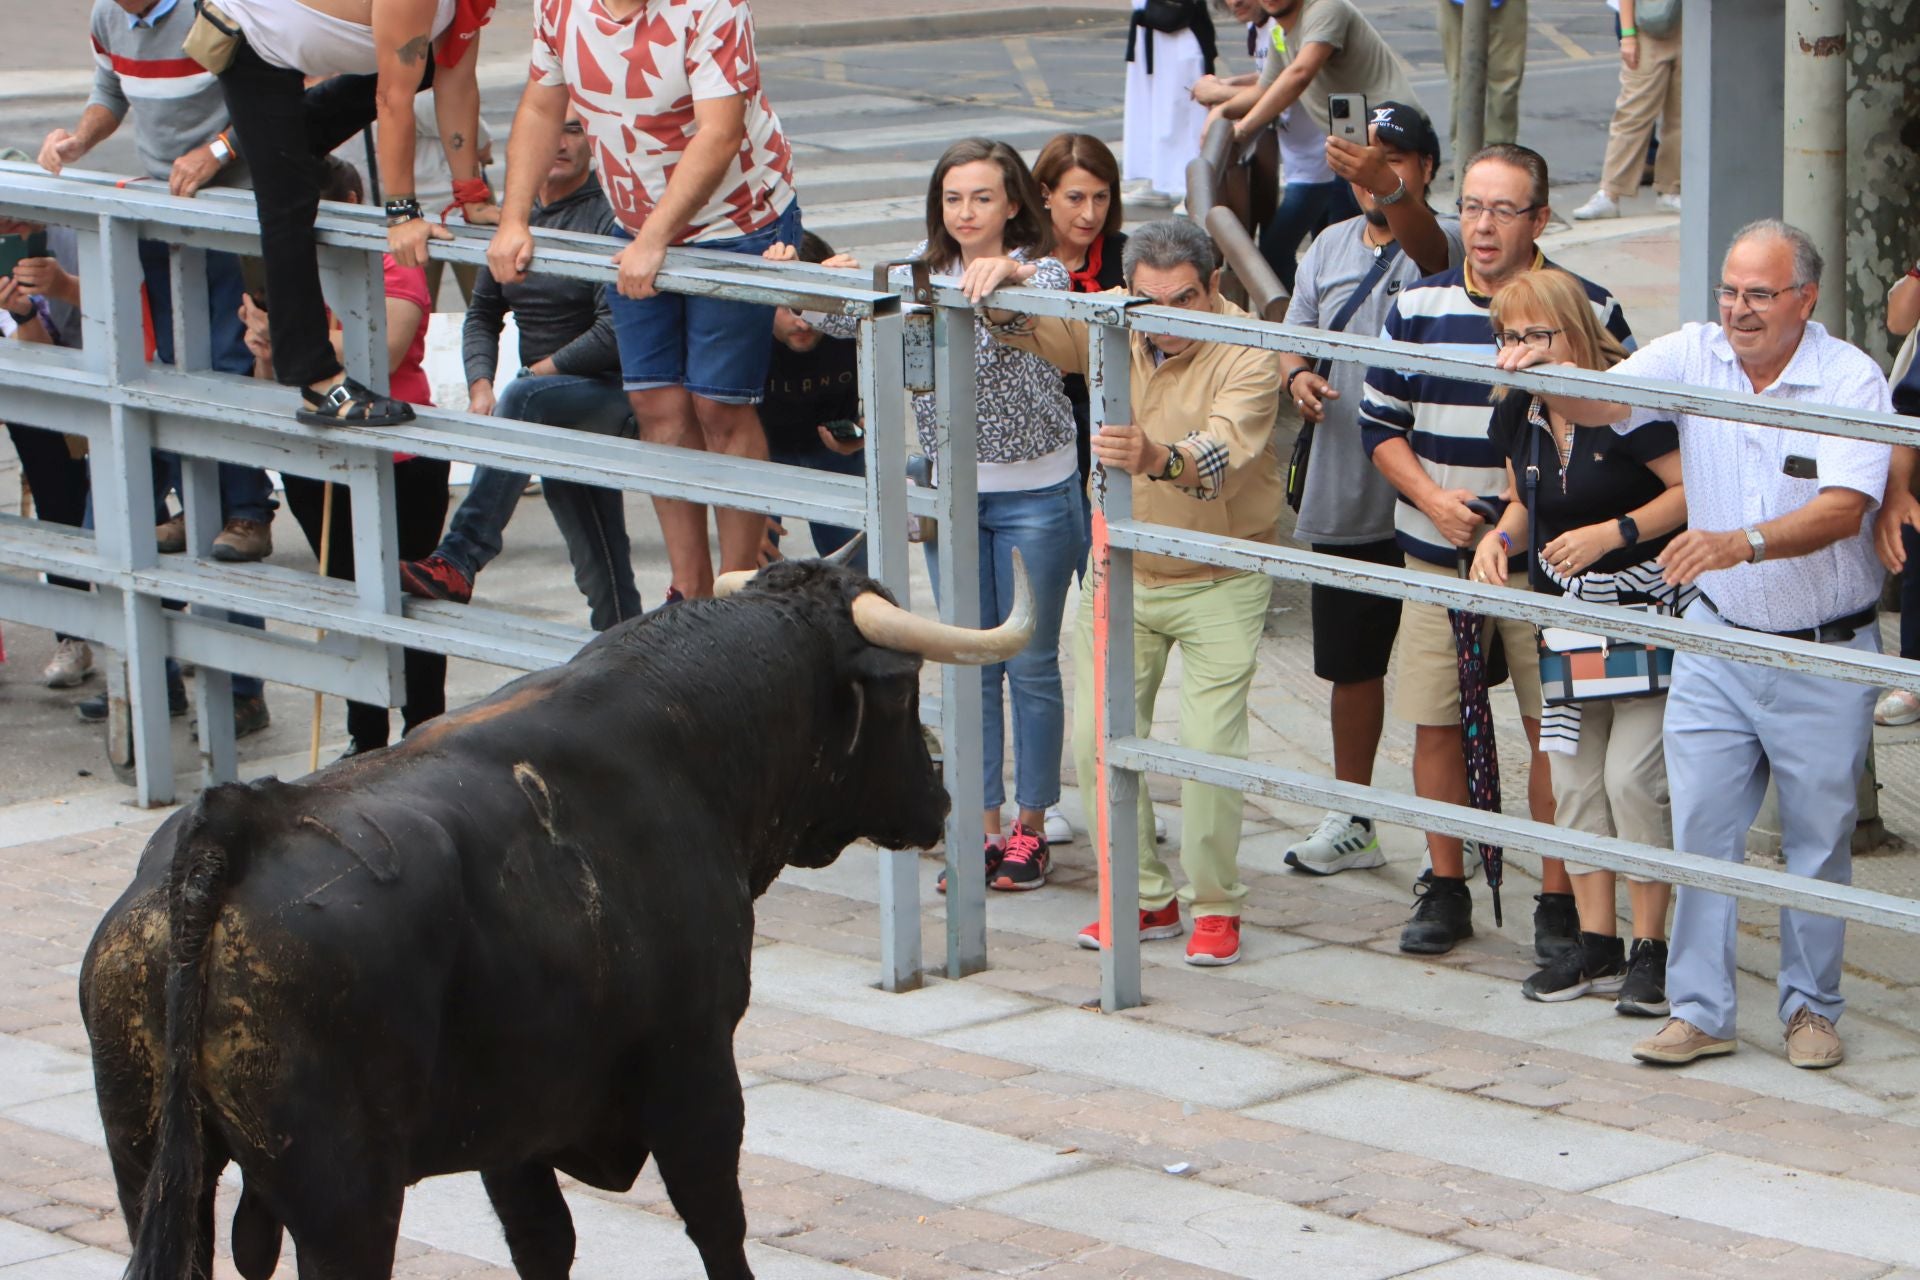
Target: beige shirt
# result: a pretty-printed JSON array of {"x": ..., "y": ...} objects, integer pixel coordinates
[
  {"x": 1362, "y": 62},
  {"x": 1212, "y": 397}
]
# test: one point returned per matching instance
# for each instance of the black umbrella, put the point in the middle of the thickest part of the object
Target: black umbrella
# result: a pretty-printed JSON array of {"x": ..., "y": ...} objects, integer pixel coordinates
[{"x": 1472, "y": 635}]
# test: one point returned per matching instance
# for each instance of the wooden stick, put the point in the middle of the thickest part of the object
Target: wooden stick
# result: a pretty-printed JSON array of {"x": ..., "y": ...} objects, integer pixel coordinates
[{"x": 326, "y": 544}]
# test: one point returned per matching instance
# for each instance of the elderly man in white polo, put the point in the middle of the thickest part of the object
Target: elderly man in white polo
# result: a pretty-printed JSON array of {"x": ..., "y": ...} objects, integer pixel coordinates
[{"x": 1779, "y": 541}]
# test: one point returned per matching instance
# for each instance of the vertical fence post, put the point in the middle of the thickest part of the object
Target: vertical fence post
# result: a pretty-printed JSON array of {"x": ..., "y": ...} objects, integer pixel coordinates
[
  {"x": 200, "y": 499},
  {"x": 959, "y": 570},
  {"x": 1116, "y": 807},
  {"x": 122, "y": 473},
  {"x": 1470, "y": 85},
  {"x": 884, "y": 404}
]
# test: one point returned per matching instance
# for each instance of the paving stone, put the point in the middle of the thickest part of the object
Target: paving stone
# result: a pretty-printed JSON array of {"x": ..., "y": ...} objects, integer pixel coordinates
[
  {"x": 1533, "y": 1147},
  {"x": 30, "y": 1071},
  {"x": 1214, "y": 1227},
  {"x": 1174, "y": 1064},
  {"x": 1810, "y": 1209},
  {"x": 1487, "y": 1267},
  {"x": 892, "y": 1147},
  {"x": 25, "y": 1244},
  {"x": 72, "y": 1115},
  {"x": 76, "y": 1264},
  {"x": 837, "y": 987}
]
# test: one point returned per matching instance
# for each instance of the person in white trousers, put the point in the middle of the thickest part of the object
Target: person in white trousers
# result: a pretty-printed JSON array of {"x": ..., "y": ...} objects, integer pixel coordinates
[
  {"x": 1649, "y": 93},
  {"x": 1163, "y": 123}
]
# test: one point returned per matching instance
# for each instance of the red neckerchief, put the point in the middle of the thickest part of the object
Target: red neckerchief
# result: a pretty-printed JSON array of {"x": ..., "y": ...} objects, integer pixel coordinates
[{"x": 1087, "y": 279}]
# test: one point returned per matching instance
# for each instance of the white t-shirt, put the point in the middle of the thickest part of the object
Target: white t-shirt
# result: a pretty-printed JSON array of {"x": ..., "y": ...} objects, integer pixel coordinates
[
  {"x": 286, "y": 33},
  {"x": 634, "y": 84}
]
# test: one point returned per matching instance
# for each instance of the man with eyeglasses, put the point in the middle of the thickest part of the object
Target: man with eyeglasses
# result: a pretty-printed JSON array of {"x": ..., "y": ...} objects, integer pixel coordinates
[
  {"x": 1778, "y": 541},
  {"x": 1428, "y": 435}
]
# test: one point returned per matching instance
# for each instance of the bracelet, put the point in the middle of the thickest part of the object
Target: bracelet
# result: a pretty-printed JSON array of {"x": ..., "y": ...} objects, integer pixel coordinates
[
  {"x": 402, "y": 209},
  {"x": 467, "y": 191},
  {"x": 1505, "y": 541},
  {"x": 1628, "y": 33},
  {"x": 1287, "y": 386}
]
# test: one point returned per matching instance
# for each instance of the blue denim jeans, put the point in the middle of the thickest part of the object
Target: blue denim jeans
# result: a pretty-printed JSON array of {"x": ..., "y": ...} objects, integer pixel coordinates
[
  {"x": 591, "y": 519},
  {"x": 827, "y": 538},
  {"x": 245, "y": 492},
  {"x": 1306, "y": 209},
  {"x": 1045, "y": 525}
]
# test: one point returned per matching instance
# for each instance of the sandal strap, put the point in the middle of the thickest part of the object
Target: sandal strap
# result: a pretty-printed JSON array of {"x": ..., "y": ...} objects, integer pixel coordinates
[{"x": 350, "y": 402}]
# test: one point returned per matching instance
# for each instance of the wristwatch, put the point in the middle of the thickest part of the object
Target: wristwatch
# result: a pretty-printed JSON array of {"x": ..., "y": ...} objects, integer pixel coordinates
[
  {"x": 1629, "y": 530},
  {"x": 1176, "y": 465},
  {"x": 1399, "y": 194},
  {"x": 1759, "y": 544},
  {"x": 221, "y": 149}
]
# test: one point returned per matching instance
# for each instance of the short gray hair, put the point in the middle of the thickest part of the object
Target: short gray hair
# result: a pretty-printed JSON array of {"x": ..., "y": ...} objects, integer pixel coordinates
[
  {"x": 1807, "y": 262},
  {"x": 1169, "y": 243}
]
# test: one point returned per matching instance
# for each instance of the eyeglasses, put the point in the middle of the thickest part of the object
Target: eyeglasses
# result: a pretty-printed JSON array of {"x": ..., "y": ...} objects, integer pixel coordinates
[
  {"x": 1757, "y": 300},
  {"x": 1538, "y": 339},
  {"x": 1471, "y": 211}
]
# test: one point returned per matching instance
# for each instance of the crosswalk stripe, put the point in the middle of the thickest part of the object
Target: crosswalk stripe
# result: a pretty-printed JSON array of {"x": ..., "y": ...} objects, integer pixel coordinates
[{"x": 941, "y": 131}]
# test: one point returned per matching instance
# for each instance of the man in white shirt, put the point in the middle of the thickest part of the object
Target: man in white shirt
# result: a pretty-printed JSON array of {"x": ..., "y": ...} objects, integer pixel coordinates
[{"x": 1778, "y": 541}]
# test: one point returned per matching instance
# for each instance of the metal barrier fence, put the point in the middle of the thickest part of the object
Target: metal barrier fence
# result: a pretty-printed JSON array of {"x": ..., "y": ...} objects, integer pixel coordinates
[{"x": 126, "y": 407}]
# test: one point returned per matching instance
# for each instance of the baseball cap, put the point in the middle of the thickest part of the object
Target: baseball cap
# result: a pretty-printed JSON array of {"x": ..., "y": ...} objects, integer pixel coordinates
[{"x": 1407, "y": 128}]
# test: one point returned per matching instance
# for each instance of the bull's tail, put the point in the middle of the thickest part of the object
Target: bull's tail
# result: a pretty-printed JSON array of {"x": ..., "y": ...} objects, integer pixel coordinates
[{"x": 167, "y": 1245}]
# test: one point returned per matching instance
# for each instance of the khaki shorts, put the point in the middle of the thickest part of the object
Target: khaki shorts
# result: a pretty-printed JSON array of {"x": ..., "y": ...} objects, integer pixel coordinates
[
  {"x": 1426, "y": 666},
  {"x": 1616, "y": 784}
]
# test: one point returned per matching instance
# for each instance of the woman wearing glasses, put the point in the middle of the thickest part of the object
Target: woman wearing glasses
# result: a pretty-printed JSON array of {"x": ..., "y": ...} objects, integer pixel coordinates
[{"x": 1605, "y": 505}]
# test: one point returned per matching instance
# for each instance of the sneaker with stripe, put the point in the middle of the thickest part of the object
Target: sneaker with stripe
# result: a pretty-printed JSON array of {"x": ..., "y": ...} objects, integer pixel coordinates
[
  {"x": 1025, "y": 863},
  {"x": 1339, "y": 843}
]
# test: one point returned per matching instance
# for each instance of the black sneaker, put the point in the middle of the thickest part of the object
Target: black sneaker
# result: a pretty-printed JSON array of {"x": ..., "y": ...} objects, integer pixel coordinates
[
  {"x": 1024, "y": 864},
  {"x": 1556, "y": 926},
  {"x": 1596, "y": 967},
  {"x": 996, "y": 853},
  {"x": 1442, "y": 915},
  {"x": 94, "y": 710},
  {"x": 1644, "y": 993}
]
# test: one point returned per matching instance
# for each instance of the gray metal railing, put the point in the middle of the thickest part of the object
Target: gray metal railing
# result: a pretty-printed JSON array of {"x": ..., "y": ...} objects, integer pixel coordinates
[{"x": 126, "y": 407}]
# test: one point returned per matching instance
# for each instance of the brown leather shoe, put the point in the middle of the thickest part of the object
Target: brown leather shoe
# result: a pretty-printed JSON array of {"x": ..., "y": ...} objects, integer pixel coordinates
[
  {"x": 1680, "y": 1041},
  {"x": 171, "y": 535},
  {"x": 1812, "y": 1042},
  {"x": 243, "y": 540}
]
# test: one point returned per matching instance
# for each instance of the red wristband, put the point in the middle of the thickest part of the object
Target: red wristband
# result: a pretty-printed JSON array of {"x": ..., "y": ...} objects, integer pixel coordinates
[
  {"x": 468, "y": 191},
  {"x": 1913, "y": 273}
]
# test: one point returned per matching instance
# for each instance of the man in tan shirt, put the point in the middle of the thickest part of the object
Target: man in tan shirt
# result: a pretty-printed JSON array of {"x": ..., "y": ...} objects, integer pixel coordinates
[{"x": 1201, "y": 453}]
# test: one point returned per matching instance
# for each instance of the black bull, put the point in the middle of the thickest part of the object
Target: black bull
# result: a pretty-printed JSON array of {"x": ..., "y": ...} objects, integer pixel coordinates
[{"x": 516, "y": 943}]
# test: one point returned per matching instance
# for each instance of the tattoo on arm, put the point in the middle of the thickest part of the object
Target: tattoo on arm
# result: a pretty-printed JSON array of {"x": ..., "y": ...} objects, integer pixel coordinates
[
  {"x": 457, "y": 141},
  {"x": 414, "y": 50}
]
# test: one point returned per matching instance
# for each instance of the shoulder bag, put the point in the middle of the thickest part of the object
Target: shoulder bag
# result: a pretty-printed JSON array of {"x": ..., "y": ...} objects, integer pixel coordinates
[
  {"x": 213, "y": 39},
  {"x": 1658, "y": 18},
  {"x": 1303, "y": 442},
  {"x": 1578, "y": 666}
]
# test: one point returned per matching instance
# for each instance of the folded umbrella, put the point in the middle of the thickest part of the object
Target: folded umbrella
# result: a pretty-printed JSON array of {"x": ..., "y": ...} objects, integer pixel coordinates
[{"x": 1472, "y": 635}]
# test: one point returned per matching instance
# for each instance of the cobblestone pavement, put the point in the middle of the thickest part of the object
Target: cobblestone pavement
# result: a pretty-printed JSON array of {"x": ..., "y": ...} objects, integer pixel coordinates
[{"x": 1327, "y": 1107}]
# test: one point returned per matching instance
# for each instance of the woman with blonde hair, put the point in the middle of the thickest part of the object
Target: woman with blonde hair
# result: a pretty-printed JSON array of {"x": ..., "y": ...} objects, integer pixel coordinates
[{"x": 1592, "y": 509}]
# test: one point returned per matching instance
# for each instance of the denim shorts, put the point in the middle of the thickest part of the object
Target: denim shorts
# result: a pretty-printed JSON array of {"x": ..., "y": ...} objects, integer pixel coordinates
[{"x": 716, "y": 348}]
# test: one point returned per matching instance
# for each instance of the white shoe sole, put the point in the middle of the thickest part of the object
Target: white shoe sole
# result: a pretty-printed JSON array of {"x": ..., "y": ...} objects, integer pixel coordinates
[
  {"x": 1643, "y": 1009},
  {"x": 1155, "y": 934},
  {"x": 67, "y": 679},
  {"x": 1716, "y": 1049},
  {"x": 1597, "y": 987},
  {"x": 1212, "y": 962},
  {"x": 1358, "y": 860}
]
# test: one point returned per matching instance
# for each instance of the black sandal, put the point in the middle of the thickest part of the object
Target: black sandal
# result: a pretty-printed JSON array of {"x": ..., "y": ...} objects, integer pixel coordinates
[{"x": 351, "y": 405}]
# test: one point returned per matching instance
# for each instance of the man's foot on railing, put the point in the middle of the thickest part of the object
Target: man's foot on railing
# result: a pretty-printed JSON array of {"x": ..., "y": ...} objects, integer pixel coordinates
[
  {"x": 170, "y": 535},
  {"x": 349, "y": 404},
  {"x": 243, "y": 541},
  {"x": 435, "y": 578}
]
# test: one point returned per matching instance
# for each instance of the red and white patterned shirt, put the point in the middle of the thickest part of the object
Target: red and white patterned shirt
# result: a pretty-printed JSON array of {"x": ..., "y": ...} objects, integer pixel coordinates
[{"x": 634, "y": 84}]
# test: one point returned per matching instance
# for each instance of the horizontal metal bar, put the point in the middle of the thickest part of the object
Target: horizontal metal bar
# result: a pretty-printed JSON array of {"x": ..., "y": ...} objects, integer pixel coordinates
[
  {"x": 1542, "y": 610},
  {"x": 1689, "y": 869},
  {"x": 28, "y": 192},
  {"x": 1408, "y": 357},
  {"x": 298, "y": 599}
]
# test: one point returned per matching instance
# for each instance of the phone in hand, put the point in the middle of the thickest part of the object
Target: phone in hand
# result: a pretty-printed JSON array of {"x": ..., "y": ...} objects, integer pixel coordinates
[
  {"x": 845, "y": 430},
  {"x": 1347, "y": 117},
  {"x": 16, "y": 249}
]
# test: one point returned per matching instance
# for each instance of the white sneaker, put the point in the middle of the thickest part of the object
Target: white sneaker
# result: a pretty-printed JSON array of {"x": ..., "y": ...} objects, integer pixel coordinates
[
  {"x": 1471, "y": 859},
  {"x": 1601, "y": 205},
  {"x": 71, "y": 664},
  {"x": 1337, "y": 844},
  {"x": 1669, "y": 203},
  {"x": 1059, "y": 830},
  {"x": 1159, "y": 829},
  {"x": 1897, "y": 707}
]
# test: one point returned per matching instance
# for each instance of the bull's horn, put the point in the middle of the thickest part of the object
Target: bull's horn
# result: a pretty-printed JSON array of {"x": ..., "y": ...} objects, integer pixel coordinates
[
  {"x": 889, "y": 626},
  {"x": 731, "y": 581},
  {"x": 844, "y": 555}
]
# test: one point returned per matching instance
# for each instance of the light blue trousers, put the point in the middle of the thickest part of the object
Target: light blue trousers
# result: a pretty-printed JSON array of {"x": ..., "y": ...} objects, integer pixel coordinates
[{"x": 1729, "y": 726}]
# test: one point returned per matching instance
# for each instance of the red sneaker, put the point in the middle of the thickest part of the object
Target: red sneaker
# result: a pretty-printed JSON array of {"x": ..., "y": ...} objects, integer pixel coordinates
[
  {"x": 1161, "y": 923},
  {"x": 435, "y": 578},
  {"x": 1215, "y": 940}
]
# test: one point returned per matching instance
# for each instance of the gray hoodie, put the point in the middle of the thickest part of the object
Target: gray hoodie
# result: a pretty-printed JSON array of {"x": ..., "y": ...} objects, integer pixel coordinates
[{"x": 566, "y": 319}]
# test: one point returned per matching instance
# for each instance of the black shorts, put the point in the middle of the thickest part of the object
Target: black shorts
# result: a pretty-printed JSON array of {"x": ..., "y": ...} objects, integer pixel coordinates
[{"x": 1353, "y": 631}]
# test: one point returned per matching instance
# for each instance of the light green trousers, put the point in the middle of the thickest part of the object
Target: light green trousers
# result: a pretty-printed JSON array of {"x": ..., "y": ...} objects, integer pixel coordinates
[
  {"x": 1217, "y": 626},
  {"x": 1506, "y": 65}
]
